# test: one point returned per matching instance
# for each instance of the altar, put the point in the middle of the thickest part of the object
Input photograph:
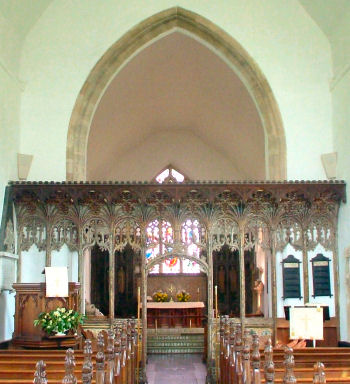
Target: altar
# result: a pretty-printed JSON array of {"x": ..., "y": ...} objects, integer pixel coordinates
[{"x": 175, "y": 314}]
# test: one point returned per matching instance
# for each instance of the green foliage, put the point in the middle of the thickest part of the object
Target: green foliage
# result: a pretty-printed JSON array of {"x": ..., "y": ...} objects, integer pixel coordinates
[{"x": 59, "y": 320}]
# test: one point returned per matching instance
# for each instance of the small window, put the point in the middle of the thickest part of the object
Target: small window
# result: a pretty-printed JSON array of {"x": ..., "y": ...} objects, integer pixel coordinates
[{"x": 170, "y": 175}]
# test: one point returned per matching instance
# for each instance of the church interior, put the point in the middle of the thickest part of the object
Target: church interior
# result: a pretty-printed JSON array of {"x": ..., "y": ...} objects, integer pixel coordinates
[{"x": 173, "y": 191}]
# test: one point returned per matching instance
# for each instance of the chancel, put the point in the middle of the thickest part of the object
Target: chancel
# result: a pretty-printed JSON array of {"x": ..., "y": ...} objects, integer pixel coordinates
[{"x": 234, "y": 236}]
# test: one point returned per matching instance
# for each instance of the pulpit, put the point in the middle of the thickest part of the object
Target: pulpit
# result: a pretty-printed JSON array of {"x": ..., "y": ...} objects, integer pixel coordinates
[{"x": 30, "y": 301}]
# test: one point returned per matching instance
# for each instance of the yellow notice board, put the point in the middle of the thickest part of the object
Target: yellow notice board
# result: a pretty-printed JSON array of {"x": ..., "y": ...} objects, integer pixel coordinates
[
  {"x": 306, "y": 323},
  {"x": 56, "y": 281}
]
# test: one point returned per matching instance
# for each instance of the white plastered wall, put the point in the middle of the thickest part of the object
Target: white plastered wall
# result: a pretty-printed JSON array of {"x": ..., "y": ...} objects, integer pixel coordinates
[
  {"x": 10, "y": 94},
  {"x": 67, "y": 41},
  {"x": 32, "y": 265},
  {"x": 340, "y": 89},
  {"x": 65, "y": 258}
]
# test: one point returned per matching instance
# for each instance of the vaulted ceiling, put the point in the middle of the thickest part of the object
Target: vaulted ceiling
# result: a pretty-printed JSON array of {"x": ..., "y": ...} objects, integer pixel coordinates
[{"x": 173, "y": 88}]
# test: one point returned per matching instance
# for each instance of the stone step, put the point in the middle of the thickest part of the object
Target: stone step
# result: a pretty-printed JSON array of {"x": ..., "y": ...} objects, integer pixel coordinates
[{"x": 187, "y": 343}]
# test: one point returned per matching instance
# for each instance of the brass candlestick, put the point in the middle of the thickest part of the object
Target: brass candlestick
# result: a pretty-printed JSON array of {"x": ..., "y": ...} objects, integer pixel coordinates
[{"x": 171, "y": 290}]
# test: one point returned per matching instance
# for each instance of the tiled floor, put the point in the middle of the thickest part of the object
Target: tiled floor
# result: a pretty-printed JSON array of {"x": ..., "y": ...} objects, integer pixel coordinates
[{"x": 176, "y": 369}]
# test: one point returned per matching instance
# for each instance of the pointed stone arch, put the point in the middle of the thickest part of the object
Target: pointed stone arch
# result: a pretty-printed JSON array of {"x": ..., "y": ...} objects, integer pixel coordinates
[{"x": 140, "y": 36}]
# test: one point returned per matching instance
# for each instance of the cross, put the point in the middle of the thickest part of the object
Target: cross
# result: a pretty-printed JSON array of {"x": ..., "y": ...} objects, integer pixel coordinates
[
  {"x": 306, "y": 320},
  {"x": 171, "y": 289}
]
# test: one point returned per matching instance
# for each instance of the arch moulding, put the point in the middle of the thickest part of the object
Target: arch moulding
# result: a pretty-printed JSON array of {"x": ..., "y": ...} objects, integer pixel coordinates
[{"x": 143, "y": 33}]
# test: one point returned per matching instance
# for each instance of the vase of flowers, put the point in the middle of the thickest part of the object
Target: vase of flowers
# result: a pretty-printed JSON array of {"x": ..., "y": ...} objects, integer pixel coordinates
[
  {"x": 160, "y": 296},
  {"x": 183, "y": 296},
  {"x": 59, "y": 321}
]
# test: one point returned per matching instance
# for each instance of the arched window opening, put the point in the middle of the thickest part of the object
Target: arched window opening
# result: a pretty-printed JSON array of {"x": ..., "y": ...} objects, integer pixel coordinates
[
  {"x": 170, "y": 175},
  {"x": 160, "y": 240}
]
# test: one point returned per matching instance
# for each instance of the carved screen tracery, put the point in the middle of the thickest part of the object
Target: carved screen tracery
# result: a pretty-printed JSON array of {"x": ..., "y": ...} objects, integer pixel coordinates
[
  {"x": 64, "y": 232},
  {"x": 127, "y": 232},
  {"x": 33, "y": 231},
  {"x": 225, "y": 232},
  {"x": 320, "y": 231},
  {"x": 96, "y": 232},
  {"x": 289, "y": 232}
]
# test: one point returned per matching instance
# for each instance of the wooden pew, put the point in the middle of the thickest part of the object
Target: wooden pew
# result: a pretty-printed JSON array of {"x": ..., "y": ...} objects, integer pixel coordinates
[
  {"x": 103, "y": 367},
  {"x": 241, "y": 364}
]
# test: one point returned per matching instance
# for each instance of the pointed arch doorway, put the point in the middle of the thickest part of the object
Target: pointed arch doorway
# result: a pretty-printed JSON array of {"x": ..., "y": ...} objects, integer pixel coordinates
[{"x": 176, "y": 254}]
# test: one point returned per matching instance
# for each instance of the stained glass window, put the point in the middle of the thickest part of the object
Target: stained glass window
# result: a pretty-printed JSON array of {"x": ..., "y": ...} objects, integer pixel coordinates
[
  {"x": 160, "y": 238},
  {"x": 190, "y": 235}
]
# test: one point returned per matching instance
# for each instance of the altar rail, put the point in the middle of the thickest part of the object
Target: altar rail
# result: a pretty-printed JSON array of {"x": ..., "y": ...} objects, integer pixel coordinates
[{"x": 239, "y": 361}]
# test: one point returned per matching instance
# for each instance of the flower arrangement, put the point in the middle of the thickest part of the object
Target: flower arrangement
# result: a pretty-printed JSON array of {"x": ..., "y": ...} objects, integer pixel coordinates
[
  {"x": 160, "y": 296},
  {"x": 183, "y": 296},
  {"x": 59, "y": 320}
]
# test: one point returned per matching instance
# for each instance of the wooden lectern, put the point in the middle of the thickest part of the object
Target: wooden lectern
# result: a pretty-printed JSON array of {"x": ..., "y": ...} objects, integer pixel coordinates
[{"x": 30, "y": 301}]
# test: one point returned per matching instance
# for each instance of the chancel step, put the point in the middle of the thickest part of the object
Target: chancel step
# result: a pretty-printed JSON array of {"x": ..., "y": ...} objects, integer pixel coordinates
[{"x": 182, "y": 343}]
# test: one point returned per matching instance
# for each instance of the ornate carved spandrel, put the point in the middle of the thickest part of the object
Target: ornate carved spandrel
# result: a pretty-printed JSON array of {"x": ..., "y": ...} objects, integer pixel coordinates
[
  {"x": 100, "y": 359},
  {"x": 269, "y": 366},
  {"x": 289, "y": 364},
  {"x": 40, "y": 373},
  {"x": 289, "y": 232},
  {"x": 225, "y": 232},
  {"x": 69, "y": 365},
  {"x": 64, "y": 232},
  {"x": 96, "y": 232},
  {"x": 321, "y": 230},
  {"x": 32, "y": 231},
  {"x": 87, "y": 369},
  {"x": 127, "y": 232}
]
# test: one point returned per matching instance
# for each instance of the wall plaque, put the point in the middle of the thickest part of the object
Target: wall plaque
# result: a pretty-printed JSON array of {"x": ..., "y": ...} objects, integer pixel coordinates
[
  {"x": 321, "y": 275},
  {"x": 291, "y": 278}
]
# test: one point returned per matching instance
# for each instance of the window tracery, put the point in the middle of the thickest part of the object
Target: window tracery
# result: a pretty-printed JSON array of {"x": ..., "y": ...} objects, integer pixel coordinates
[{"x": 160, "y": 241}]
